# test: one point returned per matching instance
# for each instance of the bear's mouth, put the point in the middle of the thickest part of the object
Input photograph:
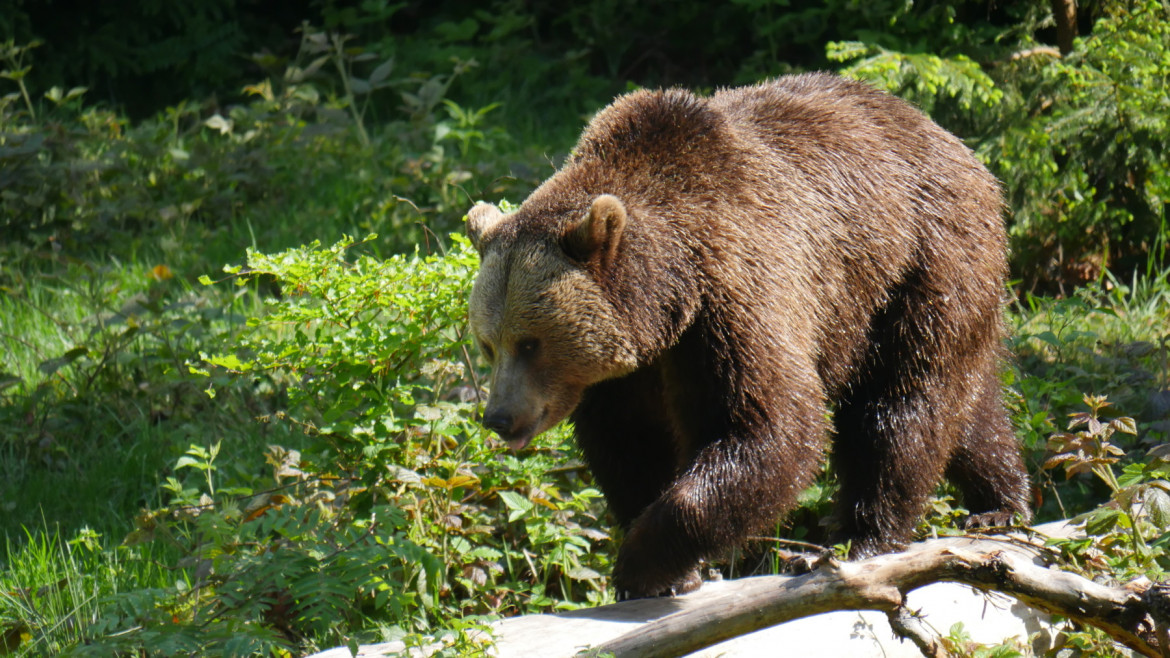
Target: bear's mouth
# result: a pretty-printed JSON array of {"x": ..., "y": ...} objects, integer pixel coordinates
[
  {"x": 519, "y": 443},
  {"x": 519, "y": 439}
]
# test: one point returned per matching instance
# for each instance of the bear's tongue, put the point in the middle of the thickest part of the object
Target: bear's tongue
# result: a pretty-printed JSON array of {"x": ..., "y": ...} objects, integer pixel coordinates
[{"x": 518, "y": 444}]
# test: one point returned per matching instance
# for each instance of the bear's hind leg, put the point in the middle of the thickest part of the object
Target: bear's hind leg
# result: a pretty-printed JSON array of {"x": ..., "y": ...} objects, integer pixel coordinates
[
  {"x": 903, "y": 417},
  {"x": 986, "y": 465}
]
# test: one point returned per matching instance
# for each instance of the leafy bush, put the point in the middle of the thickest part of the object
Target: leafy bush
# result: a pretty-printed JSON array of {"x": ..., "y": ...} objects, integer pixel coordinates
[
  {"x": 104, "y": 225},
  {"x": 398, "y": 517},
  {"x": 147, "y": 54},
  {"x": 1078, "y": 140},
  {"x": 85, "y": 179}
]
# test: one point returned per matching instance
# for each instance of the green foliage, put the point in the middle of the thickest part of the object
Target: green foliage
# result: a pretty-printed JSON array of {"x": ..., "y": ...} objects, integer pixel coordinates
[
  {"x": 1128, "y": 536},
  {"x": 397, "y": 518},
  {"x": 1078, "y": 140},
  {"x": 926, "y": 77},
  {"x": 13, "y": 57},
  {"x": 957, "y": 642},
  {"x": 360, "y": 339},
  {"x": 83, "y": 178},
  {"x": 1108, "y": 337},
  {"x": 144, "y": 54},
  {"x": 104, "y": 225},
  {"x": 1086, "y": 147}
]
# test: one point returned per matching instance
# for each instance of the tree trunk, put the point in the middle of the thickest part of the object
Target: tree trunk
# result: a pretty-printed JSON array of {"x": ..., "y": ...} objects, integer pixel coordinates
[{"x": 1064, "y": 12}]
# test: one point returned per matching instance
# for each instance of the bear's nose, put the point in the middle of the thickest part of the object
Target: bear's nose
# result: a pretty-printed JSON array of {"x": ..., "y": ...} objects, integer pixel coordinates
[{"x": 499, "y": 422}]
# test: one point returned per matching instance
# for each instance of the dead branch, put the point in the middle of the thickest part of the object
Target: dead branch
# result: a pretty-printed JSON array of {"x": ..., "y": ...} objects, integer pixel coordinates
[
  {"x": 910, "y": 625},
  {"x": 882, "y": 583},
  {"x": 1047, "y": 51}
]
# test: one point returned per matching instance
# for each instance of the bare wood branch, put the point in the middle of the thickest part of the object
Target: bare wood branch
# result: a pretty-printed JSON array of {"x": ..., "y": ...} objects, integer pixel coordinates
[
  {"x": 1048, "y": 51},
  {"x": 904, "y": 589},
  {"x": 881, "y": 583},
  {"x": 909, "y": 625}
]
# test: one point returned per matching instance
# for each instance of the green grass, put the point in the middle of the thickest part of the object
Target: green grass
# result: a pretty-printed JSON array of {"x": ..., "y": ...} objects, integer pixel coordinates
[
  {"x": 54, "y": 585},
  {"x": 53, "y": 307},
  {"x": 83, "y": 441},
  {"x": 1109, "y": 338}
]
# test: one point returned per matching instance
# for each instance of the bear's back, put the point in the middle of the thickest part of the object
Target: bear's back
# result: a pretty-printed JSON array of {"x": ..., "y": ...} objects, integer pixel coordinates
[
  {"x": 851, "y": 143},
  {"x": 859, "y": 172}
]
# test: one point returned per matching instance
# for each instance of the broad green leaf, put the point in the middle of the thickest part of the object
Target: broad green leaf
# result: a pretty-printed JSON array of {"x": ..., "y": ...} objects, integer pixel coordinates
[
  {"x": 1157, "y": 501},
  {"x": 382, "y": 72}
]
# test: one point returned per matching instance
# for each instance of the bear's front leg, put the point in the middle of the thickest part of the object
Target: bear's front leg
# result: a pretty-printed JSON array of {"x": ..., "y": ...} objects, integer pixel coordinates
[
  {"x": 735, "y": 486},
  {"x": 645, "y": 568},
  {"x": 685, "y": 585}
]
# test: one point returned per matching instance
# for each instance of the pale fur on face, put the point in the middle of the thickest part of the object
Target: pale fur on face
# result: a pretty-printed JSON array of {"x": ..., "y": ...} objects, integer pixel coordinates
[{"x": 548, "y": 331}]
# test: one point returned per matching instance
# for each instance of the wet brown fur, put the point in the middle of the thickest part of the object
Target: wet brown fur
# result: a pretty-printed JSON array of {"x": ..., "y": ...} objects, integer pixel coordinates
[{"x": 789, "y": 249}]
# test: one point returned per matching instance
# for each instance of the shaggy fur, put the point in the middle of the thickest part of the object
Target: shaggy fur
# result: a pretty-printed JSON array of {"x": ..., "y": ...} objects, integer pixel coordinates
[{"x": 708, "y": 281}]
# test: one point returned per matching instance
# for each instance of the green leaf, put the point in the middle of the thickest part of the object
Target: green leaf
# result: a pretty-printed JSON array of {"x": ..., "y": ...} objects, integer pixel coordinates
[
  {"x": 1101, "y": 521},
  {"x": 53, "y": 365},
  {"x": 519, "y": 505},
  {"x": 218, "y": 123},
  {"x": 1050, "y": 338},
  {"x": 382, "y": 72},
  {"x": 583, "y": 573},
  {"x": 185, "y": 462},
  {"x": 1131, "y": 474},
  {"x": 359, "y": 86},
  {"x": 1157, "y": 502},
  {"x": 15, "y": 75},
  {"x": 231, "y": 362},
  {"x": 484, "y": 553}
]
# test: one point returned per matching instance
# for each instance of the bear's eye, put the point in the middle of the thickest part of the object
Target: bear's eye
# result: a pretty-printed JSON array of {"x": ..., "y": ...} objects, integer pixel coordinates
[
  {"x": 488, "y": 352},
  {"x": 527, "y": 347}
]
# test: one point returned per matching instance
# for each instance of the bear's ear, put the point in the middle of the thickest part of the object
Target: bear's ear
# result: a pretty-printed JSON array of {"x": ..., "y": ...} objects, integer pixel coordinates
[
  {"x": 480, "y": 221},
  {"x": 597, "y": 234}
]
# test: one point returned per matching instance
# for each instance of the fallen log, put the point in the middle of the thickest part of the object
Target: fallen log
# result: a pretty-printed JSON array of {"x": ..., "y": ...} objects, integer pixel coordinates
[{"x": 901, "y": 604}]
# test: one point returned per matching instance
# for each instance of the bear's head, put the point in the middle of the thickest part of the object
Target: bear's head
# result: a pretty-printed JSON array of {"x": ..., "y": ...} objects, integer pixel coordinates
[{"x": 540, "y": 315}]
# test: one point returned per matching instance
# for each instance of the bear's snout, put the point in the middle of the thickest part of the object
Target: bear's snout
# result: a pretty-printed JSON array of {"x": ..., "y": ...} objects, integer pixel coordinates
[
  {"x": 517, "y": 430},
  {"x": 498, "y": 421}
]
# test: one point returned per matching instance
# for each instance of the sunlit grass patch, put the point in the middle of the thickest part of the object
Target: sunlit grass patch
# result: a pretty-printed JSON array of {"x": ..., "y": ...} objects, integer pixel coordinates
[{"x": 55, "y": 593}]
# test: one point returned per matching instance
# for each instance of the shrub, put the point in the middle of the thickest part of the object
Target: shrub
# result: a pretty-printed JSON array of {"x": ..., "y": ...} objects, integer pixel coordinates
[
  {"x": 399, "y": 517},
  {"x": 1077, "y": 140}
]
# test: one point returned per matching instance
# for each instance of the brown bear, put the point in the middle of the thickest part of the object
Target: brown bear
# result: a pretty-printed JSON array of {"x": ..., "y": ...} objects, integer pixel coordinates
[{"x": 710, "y": 288}]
